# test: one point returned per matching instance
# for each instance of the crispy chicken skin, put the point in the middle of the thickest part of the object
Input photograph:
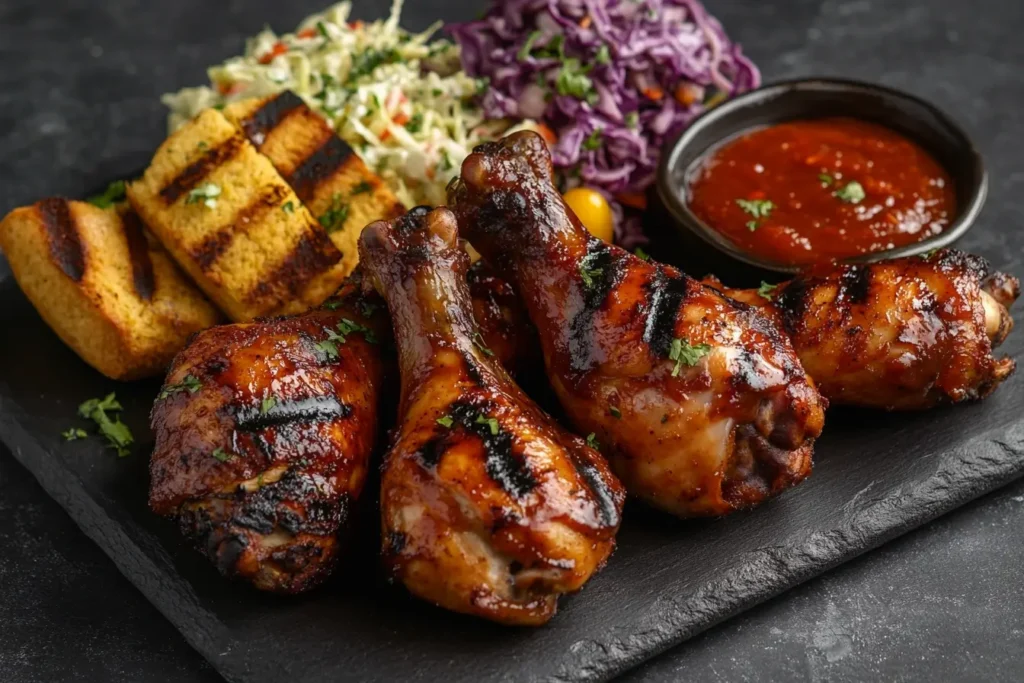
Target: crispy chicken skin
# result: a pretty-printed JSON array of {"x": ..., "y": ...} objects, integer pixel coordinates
[
  {"x": 488, "y": 506},
  {"x": 904, "y": 334},
  {"x": 263, "y": 437},
  {"x": 692, "y": 429}
]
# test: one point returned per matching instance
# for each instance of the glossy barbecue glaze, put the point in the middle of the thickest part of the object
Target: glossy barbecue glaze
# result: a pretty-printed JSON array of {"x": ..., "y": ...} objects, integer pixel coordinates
[
  {"x": 726, "y": 432},
  {"x": 263, "y": 437},
  {"x": 488, "y": 506},
  {"x": 905, "y": 334}
]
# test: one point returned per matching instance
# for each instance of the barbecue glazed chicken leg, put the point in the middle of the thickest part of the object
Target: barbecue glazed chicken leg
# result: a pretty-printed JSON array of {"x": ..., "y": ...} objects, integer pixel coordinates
[
  {"x": 263, "y": 438},
  {"x": 904, "y": 334},
  {"x": 488, "y": 507},
  {"x": 700, "y": 403}
]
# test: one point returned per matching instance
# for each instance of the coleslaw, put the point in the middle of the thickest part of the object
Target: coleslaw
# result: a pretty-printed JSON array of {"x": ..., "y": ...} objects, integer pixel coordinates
[{"x": 400, "y": 99}]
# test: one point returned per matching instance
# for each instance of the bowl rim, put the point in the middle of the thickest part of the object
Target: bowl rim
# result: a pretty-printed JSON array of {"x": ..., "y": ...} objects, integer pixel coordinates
[{"x": 685, "y": 219}]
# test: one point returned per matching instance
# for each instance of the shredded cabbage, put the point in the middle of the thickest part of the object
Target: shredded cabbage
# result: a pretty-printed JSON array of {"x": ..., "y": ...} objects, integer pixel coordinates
[
  {"x": 401, "y": 100},
  {"x": 614, "y": 80}
]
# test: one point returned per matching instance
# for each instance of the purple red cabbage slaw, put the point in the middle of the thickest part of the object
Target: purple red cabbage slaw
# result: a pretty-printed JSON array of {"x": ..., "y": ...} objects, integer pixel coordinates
[{"x": 615, "y": 80}]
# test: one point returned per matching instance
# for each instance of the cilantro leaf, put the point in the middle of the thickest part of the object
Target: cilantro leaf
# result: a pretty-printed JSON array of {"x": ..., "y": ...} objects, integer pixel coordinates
[
  {"x": 684, "y": 353},
  {"x": 115, "y": 193},
  {"x": 445, "y": 421},
  {"x": 641, "y": 254},
  {"x": 74, "y": 434},
  {"x": 221, "y": 455},
  {"x": 851, "y": 193},
  {"x": 478, "y": 342},
  {"x": 758, "y": 208},
  {"x": 361, "y": 188},
  {"x": 615, "y": 412},
  {"x": 267, "y": 404},
  {"x": 524, "y": 51},
  {"x": 190, "y": 384},
  {"x": 766, "y": 291},
  {"x": 593, "y": 442},
  {"x": 334, "y": 218},
  {"x": 206, "y": 193},
  {"x": 490, "y": 422},
  {"x": 593, "y": 141},
  {"x": 826, "y": 179}
]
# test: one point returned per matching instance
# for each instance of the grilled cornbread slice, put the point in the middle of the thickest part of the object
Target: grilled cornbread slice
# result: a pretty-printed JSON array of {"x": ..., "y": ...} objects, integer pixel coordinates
[
  {"x": 111, "y": 294},
  {"x": 326, "y": 174},
  {"x": 234, "y": 224}
]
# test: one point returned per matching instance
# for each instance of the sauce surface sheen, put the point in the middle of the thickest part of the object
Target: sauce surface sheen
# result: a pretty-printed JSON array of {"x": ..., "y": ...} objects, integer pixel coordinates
[{"x": 811, "y": 191}]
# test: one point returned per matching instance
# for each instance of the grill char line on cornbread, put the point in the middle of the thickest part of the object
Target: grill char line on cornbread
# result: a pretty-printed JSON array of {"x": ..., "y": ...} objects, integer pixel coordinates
[
  {"x": 109, "y": 293},
  {"x": 255, "y": 250},
  {"x": 325, "y": 173}
]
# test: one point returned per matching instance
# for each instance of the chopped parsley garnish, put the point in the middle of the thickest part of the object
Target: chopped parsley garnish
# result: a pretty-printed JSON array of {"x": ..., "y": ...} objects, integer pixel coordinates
[
  {"x": 604, "y": 55},
  {"x": 555, "y": 49},
  {"x": 927, "y": 256},
  {"x": 362, "y": 188},
  {"x": 766, "y": 291},
  {"x": 367, "y": 308},
  {"x": 588, "y": 274},
  {"x": 268, "y": 404},
  {"x": 684, "y": 353},
  {"x": 347, "y": 327},
  {"x": 445, "y": 421},
  {"x": 851, "y": 193},
  {"x": 758, "y": 208},
  {"x": 490, "y": 422},
  {"x": 633, "y": 119},
  {"x": 74, "y": 434},
  {"x": 332, "y": 305},
  {"x": 321, "y": 28},
  {"x": 367, "y": 61},
  {"x": 221, "y": 455},
  {"x": 524, "y": 51},
  {"x": 115, "y": 192},
  {"x": 593, "y": 442},
  {"x": 328, "y": 347},
  {"x": 190, "y": 384},
  {"x": 206, "y": 193},
  {"x": 415, "y": 124},
  {"x": 118, "y": 436},
  {"x": 334, "y": 218},
  {"x": 478, "y": 342},
  {"x": 826, "y": 179},
  {"x": 641, "y": 254},
  {"x": 614, "y": 412},
  {"x": 573, "y": 81},
  {"x": 593, "y": 141},
  {"x": 288, "y": 206}
]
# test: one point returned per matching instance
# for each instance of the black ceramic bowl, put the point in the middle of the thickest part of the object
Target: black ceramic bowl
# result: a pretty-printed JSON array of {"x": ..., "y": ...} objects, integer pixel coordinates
[{"x": 914, "y": 118}]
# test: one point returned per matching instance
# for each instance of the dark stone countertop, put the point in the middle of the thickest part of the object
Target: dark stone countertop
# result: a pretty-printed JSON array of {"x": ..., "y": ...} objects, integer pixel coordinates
[{"x": 79, "y": 87}]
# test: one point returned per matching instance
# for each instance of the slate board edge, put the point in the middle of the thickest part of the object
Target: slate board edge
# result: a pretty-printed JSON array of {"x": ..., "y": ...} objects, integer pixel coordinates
[
  {"x": 980, "y": 467},
  {"x": 145, "y": 573}
]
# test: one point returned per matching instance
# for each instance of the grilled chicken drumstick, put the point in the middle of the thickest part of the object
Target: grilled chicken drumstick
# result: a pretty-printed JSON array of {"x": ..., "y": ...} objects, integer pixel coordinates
[
  {"x": 488, "y": 507},
  {"x": 904, "y": 334},
  {"x": 263, "y": 437},
  {"x": 700, "y": 402}
]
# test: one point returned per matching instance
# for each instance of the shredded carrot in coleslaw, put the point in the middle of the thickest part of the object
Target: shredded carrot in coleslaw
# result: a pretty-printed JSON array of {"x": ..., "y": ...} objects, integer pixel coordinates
[{"x": 401, "y": 100}]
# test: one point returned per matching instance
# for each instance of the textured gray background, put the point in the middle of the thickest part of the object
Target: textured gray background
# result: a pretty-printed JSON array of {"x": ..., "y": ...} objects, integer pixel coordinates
[{"x": 79, "y": 86}]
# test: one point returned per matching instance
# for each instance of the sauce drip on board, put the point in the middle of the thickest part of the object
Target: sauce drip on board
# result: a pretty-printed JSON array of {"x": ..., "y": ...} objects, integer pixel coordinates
[{"x": 810, "y": 191}]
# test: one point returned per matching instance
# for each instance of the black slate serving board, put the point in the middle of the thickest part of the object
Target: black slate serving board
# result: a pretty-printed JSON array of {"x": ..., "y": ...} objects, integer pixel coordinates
[{"x": 876, "y": 476}]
